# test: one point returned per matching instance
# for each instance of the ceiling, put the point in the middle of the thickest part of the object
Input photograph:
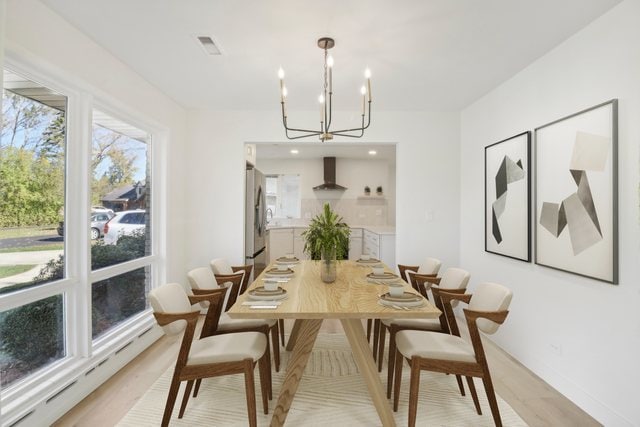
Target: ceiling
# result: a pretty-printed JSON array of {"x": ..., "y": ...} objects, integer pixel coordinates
[
  {"x": 424, "y": 54},
  {"x": 318, "y": 150}
]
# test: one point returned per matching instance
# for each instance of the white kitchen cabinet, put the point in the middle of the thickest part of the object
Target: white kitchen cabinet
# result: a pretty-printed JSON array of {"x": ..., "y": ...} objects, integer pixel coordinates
[
  {"x": 381, "y": 246},
  {"x": 279, "y": 243},
  {"x": 298, "y": 243},
  {"x": 355, "y": 244}
]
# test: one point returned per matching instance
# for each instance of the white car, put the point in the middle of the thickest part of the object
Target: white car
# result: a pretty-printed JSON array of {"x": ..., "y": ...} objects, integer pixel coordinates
[{"x": 123, "y": 224}]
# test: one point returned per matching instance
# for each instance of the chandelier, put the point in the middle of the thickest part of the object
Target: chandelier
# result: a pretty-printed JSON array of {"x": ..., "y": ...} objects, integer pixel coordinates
[{"x": 325, "y": 99}]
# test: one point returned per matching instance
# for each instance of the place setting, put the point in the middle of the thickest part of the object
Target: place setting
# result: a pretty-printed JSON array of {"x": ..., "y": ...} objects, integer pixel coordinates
[
  {"x": 280, "y": 270},
  {"x": 269, "y": 295},
  {"x": 379, "y": 276},
  {"x": 398, "y": 298},
  {"x": 288, "y": 259},
  {"x": 366, "y": 260}
]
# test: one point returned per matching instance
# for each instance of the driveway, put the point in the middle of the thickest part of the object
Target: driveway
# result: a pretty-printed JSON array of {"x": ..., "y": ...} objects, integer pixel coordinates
[{"x": 23, "y": 242}]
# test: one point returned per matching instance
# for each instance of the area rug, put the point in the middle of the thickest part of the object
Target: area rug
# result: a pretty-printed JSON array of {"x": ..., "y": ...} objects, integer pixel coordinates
[{"x": 331, "y": 393}]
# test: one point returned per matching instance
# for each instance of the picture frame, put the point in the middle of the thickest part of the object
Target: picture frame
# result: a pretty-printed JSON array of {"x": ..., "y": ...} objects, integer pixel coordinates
[
  {"x": 576, "y": 196},
  {"x": 507, "y": 197}
]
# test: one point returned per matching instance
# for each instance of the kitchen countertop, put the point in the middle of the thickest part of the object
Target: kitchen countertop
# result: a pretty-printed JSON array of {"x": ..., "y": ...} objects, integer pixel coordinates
[{"x": 378, "y": 229}]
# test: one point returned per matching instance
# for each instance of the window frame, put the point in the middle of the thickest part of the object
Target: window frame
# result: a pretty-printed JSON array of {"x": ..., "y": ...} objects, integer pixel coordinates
[{"x": 81, "y": 352}]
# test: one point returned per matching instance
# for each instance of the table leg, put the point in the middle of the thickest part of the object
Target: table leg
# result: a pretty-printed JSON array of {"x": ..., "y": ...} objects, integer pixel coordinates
[
  {"x": 306, "y": 337},
  {"x": 294, "y": 335},
  {"x": 364, "y": 358}
]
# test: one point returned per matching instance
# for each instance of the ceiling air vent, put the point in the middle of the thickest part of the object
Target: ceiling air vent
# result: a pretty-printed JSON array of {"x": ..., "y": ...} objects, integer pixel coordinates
[{"x": 208, "y": 45}]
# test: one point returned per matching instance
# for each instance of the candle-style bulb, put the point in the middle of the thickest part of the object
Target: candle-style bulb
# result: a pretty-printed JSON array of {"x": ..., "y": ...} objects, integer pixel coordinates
[
  {"x": 284, "y": 92},
  {"x": 280, "y": 73},
  {"x": 330, "y": 61},
  {"x": 367, "y": 73},
  {"x": 363, "y": 90},
  {"x": 321, "y": 99}
]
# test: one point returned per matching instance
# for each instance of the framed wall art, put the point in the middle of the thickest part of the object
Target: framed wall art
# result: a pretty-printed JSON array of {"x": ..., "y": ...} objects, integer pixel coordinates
[
  {"x": 577, "y": 193},
  {"x": 507, "y": 195}
]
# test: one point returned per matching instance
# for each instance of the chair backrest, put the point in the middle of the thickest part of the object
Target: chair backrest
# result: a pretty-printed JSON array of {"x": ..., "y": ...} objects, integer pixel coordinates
[
  {"x": 221, "y": 266},
  {"x": 454, "y": 278},
  {"x": 202, "y": 278},
  {"x": 170, "y": 298},
  {"x": 490, "y": 297},
  {"x": 430, "y": 266}
]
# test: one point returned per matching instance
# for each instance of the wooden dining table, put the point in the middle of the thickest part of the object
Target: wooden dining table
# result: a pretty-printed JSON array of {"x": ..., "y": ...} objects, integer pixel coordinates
[{"x": 309, "y": 301}]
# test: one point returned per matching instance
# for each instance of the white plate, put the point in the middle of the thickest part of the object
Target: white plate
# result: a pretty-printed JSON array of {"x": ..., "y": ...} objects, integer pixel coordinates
[
  {"x": 412, "y": 304},
  {"x": 278, "y": 275},
  {"x": 263, "y": 297},
  {"x": 286, "y": 262}
]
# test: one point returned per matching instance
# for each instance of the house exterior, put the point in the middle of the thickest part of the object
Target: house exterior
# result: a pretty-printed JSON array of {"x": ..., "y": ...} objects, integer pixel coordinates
[{"x": 128, "y": 197}]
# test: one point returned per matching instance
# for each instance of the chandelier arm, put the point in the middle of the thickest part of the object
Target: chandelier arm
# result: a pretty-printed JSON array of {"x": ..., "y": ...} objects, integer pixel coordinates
[
  {"x": 347, "y": 135},
  {"x": 368, "y": 119},
  {"x": 301, "y": 136},
  {"x": 310, "y": 132}
]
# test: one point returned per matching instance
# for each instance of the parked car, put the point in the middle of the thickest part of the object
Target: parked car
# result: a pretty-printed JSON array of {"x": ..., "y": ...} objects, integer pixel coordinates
[
  {"x": 98, "y": 219},
  {"x": 123, "y": 224}
]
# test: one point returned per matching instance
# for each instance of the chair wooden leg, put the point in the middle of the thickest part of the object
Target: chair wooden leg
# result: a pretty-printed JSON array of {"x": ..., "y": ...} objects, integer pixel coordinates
[
  {"x": 263, "y": 369},
  {"x": 369, "y": 325},
  {"x": 398, "y": 380},
  {"x": 197, "y": 389},
  {"x": 491, "y": 396},
  {"x": 414, "y": 389},
  {"x": 376, "y": 333},
  {"x": 281, "y": 329},
  {"x": 392, "y": 358},
  {"x": 383, "y": 331},
  {"x": 250, "y": 392},
  {"x": 474, "y": 395},
  {"x": 171, "y": 400},
  {"x": 267, "y": 356},
  {"x": 185, "y": 398},
  {"x": 460, "y": 385},
  {"x": 275, "y": 344}
]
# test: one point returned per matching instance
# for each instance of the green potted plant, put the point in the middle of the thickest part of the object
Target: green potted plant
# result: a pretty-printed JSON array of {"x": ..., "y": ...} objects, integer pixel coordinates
[{"x": 327, "y": 239}]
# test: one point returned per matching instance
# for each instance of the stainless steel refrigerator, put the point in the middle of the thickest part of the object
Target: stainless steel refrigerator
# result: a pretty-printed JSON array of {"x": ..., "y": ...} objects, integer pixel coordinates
[{"x": 255, "y": 222}]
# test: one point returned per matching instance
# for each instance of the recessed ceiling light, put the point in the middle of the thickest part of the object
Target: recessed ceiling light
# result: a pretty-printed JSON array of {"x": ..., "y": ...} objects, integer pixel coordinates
[
  {"x": 373, "y": 152},
  {"x": 294, "y": 151},
  {"x": 209, "y": 46}
]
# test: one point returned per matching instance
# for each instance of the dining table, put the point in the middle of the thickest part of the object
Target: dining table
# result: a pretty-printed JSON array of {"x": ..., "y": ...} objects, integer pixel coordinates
[{"x": 352, "y": 297}]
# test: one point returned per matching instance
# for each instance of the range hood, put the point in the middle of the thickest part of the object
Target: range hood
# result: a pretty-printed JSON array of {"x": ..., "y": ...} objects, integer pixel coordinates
[{"x": 329, "y": 176}]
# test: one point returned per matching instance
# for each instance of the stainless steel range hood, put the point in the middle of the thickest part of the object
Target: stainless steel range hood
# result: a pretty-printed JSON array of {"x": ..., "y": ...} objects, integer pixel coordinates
[{"x": 329, "y": 176}]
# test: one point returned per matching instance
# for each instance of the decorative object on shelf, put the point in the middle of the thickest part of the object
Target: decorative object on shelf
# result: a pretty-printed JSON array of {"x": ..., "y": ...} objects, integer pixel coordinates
[
  {"x": 367, "y": 191},
  {"x": 507, "y": 197},
  {"x": 327, "y": 239},
  {"x": 379, "y": 191},
  {"x": 325, "y": 99},
  {"x": 577, "y": 193}
]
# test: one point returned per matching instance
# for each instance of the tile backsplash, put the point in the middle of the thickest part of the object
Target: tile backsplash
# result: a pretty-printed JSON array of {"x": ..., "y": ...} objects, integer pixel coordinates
[{"x": 360, "y": 211}]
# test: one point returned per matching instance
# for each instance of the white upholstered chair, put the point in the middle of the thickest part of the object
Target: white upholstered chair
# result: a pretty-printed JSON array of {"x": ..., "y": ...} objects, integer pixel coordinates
[
  {"x": 209, "y": 356},
  {"x": 433, "y": 351},
  {"x": 411, "y": 274},
  {"x": 202, "y": 279},
  {"x": 452, "y": 280}
]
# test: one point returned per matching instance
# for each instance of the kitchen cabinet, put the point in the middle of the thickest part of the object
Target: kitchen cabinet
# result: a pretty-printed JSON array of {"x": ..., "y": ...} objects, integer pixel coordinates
[
  {"x": 279, "y": 243},
  {"x": 355, "y": 244},
  {"x": 298, "y": 243},
  {"x": 381, "y": 246}
]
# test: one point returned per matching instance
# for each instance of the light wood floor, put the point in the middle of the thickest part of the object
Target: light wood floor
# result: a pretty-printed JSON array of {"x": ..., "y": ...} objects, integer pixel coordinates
[{"x": 534, "y": 400}]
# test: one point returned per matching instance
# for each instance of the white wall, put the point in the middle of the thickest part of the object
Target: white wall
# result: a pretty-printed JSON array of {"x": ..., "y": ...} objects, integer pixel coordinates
[
  {"x": 594, "y": 327},
  {"x": 427, "y": 156}
]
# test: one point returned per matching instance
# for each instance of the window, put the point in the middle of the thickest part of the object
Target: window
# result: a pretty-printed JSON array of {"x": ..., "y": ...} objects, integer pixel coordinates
[
  {"x": 54, "y": 222},
  {"x": 283, "y": 196},
  {"x": 32, "y": 195},
  {"x": 120, "y": 183}
]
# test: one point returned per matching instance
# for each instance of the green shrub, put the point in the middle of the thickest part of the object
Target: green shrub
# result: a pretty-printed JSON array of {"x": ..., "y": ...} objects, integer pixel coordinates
[{"x": 33, "y": 334}]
